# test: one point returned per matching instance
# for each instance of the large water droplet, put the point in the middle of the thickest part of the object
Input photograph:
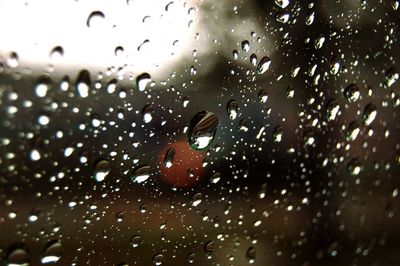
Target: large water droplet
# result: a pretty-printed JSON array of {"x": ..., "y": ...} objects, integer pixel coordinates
[
  {"x": 354, "y": 167},
  {"x": 251, "y": 255},
  {"x": 17, "y": 256},
  {"x": 42, "y": 86},
  {"x": 352, "y": 131},
  {"x": 263, "y": 65},
  {"x": 52, "y": 253},
  {"x": 209, "y": 248},
  {"x": 136, "y": 241},
  {"x": 158, "y": 259},
  {"x": 282, "y": 3},
  {"x": 332, "y": 110},
  {"x": 147, "y": 113},
  {"x": 141, "y": 174},
  {"x": 352, "y": 93},
  {"x": 196, "y": 199},
  {"x": 12, "y": 60},
  {"x": 245, "y": 45},
  {"x": 202, "y": 130},
  {"x": 142, "y": 81},
  {"x": 278, "y": 132},
  {"x": 102, "y": 169}
]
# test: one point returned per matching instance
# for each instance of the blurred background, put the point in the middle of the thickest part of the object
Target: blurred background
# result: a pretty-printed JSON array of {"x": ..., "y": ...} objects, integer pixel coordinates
[{"x": 151, "y": 132}]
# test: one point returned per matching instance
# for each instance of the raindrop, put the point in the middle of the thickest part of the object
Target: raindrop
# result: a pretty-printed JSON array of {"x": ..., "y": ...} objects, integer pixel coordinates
[
  {"x": 354, "y": 167},
  {"x": 52, "y": 253},
  {"x": 232, "y": 109},
  {"x": 235, "y": 54},
  {"x": 119, "y": 51},
  {"x": 17, "y": 256},
  {"x": 282, "y": 3},
  {"x": 191, "y": 257},
  {"x": 35, "y": 155},
  {"x": 42, "y": 87},
  {"x": 158, "y": 258},
  {"x": 290, "y": 92},
  {"x": 209, "y": 248},
  {"x": 319, "y": 41},
  {"x": 253, "y": 59},
  {"x": 57, "y": 53},
  {"x": 169, "y": 157},
  {"x": 102, "y": 169},
  {"x": 263, "y": 65},
  {"x": 282, "y": 17},
  {"x": 391, "y": 76},
  {"x": 335, "y": 65},
  {"x": 310, "y": 18},
  {"x": 83, "y": 83},
  {"x": 185, "y": 101},
  {"x": 215, "y": 178},
  {"x": 142, "y": 81},
  {"x": 352, "y": 131},
  {"x": 262, "y": 96},
  {"x": 395, "y": 4},
  {"x": 369, "y": 114},
  {"x": 95, "y": 18},
  {"x": 196, "y": 199},
  {"x": 278, "y": 132},
  {"x": 352, "y": 93},
  {"x": 245, "y": 45},
  {"x": 251, "y": 255},
  {"x": 202, "y": 130},
  {"x": 332, "y": 110},
  {"x": 12, "y": 60},
  {"x": 136, "y": 241},
  {"x": 147, "y": 114},
  {"x": 141, "y": 174}
]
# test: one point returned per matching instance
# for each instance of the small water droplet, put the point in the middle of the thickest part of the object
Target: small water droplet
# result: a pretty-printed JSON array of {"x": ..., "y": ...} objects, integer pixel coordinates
[
  {"x": 245, "y": 45},
  {"x": 263, "y": 65},
  {"x": 253, "y": 59},
  {"x": 335, "y": 65},
  {"x": 262, "y": 96},
  {"x": 251, "y": 255},
  {"x": 354, "y": 167},
  {"x": 83, "y": 83},
  {"x": 34, "y": 155},
  {"x": 282, "y": 3},
  {"x": 310, "y": 18},
  {"x": 142, "y": 81},
  {"x": 392, "y": 76},
  {"x": 169, "y": 157},
  {"x": 42, "y": 87},
  {"x": 232, "y": 109},
  {"x": 332, "y": 110},
  {"x": 136, "y": 241},
  {"x": 202, "y": 130},
  {"x": 52, "y": 253},
  {"x": 102, "y": 169},
  {"x": 278, "y": 132},
  {"x": 141, "y": 174},
  {"x": 352, "y": 131},
  {"x": 147, "y": 113},
  {"x": 209, "y": 248},
  {"x": 12, "y": 60},
  {"x": 191, "y": 257},
  {"x": 282, "y": 17},
  {"x": 319, "y": 41},
  {"x": 196, "y": 199}
]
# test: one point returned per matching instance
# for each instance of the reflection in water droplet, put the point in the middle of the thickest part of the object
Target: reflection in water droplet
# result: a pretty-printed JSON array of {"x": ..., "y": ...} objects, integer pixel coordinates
[
  {"x": 263, "y": 65},
  {"x": 202, "y": 130},
  {"x": 141, "y": 174},
  {"x": 95, "y": 19},
  {"x": 142, "y": 80},
  {"x": 52, "y": 253},
  {"x": 136, "y": 241},
  {"x": 17, "y": 256},
  {"x": 232, "y": 109},
  {"x": 102, "y": 169},
  {"x": 169, "y": 157}
]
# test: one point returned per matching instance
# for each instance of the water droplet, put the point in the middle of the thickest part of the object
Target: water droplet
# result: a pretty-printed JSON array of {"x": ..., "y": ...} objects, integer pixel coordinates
[
  {"x": 335, "y": 65},
  {"x": 263, "y": 65},
  {"x": 253, "y": 59},
  {"x": 278, "y": 132},
  {"x": 52, "y": 253},
  {"x": 243, "y": 125},
  {"x": 391, "y": 76},
  {"x": 209, "y": 248},
  {"x": 235, "y": 54},
  {"x": 34, "y": 155},
  {"x": 290, "y": 92},
  {"x": 319, "y": 41},
  {"x": 142, "y": 81},
  {"x": 354, "y": 167},
  {"x": 369, "y": 114},
  {"x": 147, "y": 113},
  {"x": 352, "y": 93},
  {"x": 395, "y": 4},
  {"x": 56, "y": 54},
  {"x": 282, "y": 17},
  {"x": 119, "y": 51},
  {"x": 12, "y": 60},
  {"x": 191, "y": 257},
  {"x": 262, "y": 96},
  {"x": 309, "y": 138},
  {"x": 141, "y": 174},
  {"x": 102, "y": 169},
  {"x": 158, "y": 259},
  {"x": 245, "y": 45},
  {"x": 282, "y": 3},
  {"x": 42, "y": 86},
  {"x": 232, "y": 109},
  {"x": 196, "y": 199},
  {"x": 95, "y": 19},
  {"x": 251, "y": 255},
  {"x": 83, "y": 83},
  {"x": 352, "y": 131},
  {"x": 310, "y": 18},
  {"x": 17, "y": 256},
  {"x": 202, "y": 130},
  {"x": 169, "y": 157},
  {"x": 215, "y": 178},
  {"x": 185, "y": 101},
  {"x": 136, "y": 241},
  {"x": 332, "y": 110}
]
